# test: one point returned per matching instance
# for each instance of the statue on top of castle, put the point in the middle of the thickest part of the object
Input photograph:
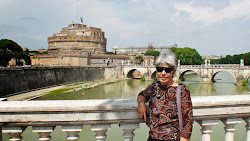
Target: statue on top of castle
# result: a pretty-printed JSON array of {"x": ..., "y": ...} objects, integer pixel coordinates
[{"x": 81, "y": 20}]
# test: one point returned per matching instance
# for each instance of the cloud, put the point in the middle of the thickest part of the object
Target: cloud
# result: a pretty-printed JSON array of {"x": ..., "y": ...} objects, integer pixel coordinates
[
  {"x": 132, "y": 22},
  {"x": 209, "y": 15}
]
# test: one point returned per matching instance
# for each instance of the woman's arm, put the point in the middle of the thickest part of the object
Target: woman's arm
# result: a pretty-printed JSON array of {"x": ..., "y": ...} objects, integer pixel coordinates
[
  {"x": 187, "y": 114},
  {"x": 143, "y": 97},
  {"x": 142, "y": 108}
]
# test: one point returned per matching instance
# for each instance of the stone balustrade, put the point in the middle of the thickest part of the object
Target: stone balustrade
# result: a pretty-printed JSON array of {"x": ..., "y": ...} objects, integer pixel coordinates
[
  {"x": 219, "y": 66},
  {"x": 44, "y": 116}
]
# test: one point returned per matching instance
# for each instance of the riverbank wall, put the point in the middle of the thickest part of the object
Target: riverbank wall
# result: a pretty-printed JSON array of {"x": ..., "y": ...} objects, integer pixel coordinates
[{"x": 16, "y": 80}]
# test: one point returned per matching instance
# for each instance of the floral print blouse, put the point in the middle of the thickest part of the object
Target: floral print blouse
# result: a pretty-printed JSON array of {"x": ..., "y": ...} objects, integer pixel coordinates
[{"x": 163, "y": 114}]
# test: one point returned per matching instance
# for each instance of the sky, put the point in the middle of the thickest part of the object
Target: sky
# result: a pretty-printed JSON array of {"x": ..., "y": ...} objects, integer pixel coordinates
[{"x": 212, "y": 27}]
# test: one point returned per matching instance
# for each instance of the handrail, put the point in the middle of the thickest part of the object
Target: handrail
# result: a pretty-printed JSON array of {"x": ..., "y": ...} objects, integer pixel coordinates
[
  {"x": 202, "y": 105},
  {"x": 43, "y": 116}
]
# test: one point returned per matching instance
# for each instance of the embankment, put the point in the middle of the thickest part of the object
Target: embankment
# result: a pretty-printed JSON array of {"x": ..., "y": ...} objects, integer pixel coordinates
[{"x": 14, "y": 80}]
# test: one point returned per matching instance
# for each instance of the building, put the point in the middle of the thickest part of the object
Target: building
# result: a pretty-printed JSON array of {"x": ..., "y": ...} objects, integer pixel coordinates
[
  {"x": 133, "y": 52},
  {"x": 131, "y": 49},
  {"x": 77, "y": 39},
  {"x": 76, "y": 45}
]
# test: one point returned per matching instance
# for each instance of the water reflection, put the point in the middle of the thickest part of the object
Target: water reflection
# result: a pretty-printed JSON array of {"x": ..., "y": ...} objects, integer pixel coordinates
[{"x": 224, "y": 77}]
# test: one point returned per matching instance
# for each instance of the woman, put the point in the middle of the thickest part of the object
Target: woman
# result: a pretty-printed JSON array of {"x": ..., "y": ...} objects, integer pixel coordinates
[{"x": 162, "y": 109}]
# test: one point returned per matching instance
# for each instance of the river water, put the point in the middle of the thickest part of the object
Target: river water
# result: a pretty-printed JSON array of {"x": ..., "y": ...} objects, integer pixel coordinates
[{"x": 130, "y": 88}]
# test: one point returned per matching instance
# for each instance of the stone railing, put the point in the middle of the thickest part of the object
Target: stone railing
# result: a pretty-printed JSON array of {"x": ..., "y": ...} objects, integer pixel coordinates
[
  {"x": 216, "y": 66},
  {"x": 43, "y": 116}
]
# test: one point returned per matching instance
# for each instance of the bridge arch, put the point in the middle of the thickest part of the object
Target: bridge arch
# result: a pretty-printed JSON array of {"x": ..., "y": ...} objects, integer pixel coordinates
[
  {"x": 212, "y": 78},
  {"x": 153, "y": 75},
  {"x": 130, "y": 73},
  {"x": 181, "y": 76},
  {"x": 248, "y": 77}
]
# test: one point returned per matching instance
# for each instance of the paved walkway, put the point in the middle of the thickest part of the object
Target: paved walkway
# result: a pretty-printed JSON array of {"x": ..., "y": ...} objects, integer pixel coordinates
[
  {"x": 73, "y": 88},
  {"x": 34, "y": 94}
]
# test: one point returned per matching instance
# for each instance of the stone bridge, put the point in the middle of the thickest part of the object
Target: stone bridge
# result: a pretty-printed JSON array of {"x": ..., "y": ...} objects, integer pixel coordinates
[{"x": 206, "y": 72}]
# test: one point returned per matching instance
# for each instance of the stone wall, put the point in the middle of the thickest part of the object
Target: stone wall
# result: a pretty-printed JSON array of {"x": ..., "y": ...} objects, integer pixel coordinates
[
  {"x": 50, "y": 60},
  {"x": 13, "y": 80}
]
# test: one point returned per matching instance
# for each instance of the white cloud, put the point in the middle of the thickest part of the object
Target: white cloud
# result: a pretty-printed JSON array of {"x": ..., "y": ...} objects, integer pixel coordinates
[
  {"x": 132, "y": 22},
  {"x": 209, "y": 15}
]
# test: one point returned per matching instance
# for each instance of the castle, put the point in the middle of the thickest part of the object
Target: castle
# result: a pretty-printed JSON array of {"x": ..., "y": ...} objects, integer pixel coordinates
[
  {"x": 77, "y": 39},
  {"x": 76, "y": 45}
]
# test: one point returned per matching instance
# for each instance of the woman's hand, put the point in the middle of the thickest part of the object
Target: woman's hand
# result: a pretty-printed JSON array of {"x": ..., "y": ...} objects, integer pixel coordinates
[
  {"x": 142, "y": 110},
  {"x": 183, "y": 139}
]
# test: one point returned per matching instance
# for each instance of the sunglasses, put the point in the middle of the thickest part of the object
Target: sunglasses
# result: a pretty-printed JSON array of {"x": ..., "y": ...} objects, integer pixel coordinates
[{"x": 167, "y": 70}]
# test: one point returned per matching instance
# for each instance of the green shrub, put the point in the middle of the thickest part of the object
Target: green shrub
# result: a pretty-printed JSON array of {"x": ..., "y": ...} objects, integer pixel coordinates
[
  {"x": 143, "y": 78},
  {"x": 244, "y": 82}
]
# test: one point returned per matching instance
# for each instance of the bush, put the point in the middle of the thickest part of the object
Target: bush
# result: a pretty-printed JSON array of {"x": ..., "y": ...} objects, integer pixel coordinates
[
  {"x": 143, "y": 78},
  {"x": 244, "y": 82}
]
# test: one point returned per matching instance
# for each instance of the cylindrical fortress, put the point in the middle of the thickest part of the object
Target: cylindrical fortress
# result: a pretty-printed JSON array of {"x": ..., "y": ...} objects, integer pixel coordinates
[{"x": 77, "y": 39}]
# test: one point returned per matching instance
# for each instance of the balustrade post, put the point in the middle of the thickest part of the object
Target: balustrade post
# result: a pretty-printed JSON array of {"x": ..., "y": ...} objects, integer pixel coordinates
[
  {"x": 229, "y": 128},
  {"x": 247, "y": 120},
  {"x": 44, "y": 132},
  {"x": 72, "y": 132},
  {"x": 207, "y": 128},
  {"x": 100, "y": 131},
  {"x": 128, "y": 131},
  {"x": 14, "y": 132},
  {"x": 1, "y": 135}
]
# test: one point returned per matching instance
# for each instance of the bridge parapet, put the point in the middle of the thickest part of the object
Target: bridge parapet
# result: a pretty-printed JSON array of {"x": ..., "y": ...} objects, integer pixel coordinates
[
  {"x": 237, "y": 66},
  {"x": 72, "y": 115},
  {"x": 206, "y": 72}
]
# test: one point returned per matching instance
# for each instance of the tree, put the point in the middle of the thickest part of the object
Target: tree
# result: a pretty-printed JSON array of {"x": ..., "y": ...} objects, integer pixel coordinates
[
  {"x": 187, "y": 56},
  {"x": 10, "y": 49},
  {"x": 112, "y": 53},
  {"x": 140, "y": 58},
  {"x": 27, "y": 57},
  {"x": 235, "y": 59},
  {"x": 152, "y": 53}
]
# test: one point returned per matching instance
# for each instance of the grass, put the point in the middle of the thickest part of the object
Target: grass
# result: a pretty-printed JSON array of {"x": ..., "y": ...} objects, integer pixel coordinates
[
  {"x": 75, "y": 84},
  {"x": 57, "y": 92}
]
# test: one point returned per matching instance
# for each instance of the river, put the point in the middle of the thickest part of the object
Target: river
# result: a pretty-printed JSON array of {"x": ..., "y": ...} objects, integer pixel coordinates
[{"x": 224, "y": 85}]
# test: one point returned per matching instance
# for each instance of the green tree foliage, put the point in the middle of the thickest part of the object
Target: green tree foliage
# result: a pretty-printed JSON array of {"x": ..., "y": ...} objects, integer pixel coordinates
[
  {"x": 10, "y": 49},
  {"x": 139, "y": 58},
  {"x": 152, "y": 53},
  {"x": 112, "y": 53},
  {"x": 235, "y": 59},
  {"x": 27, "y": 57},
  {"x": 214, "y": 61},
  {"x": 187, "y": 56}
]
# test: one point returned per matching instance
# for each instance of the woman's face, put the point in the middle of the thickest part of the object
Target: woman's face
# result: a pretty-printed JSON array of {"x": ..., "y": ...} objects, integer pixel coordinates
[{"x": 166, "y": 78}]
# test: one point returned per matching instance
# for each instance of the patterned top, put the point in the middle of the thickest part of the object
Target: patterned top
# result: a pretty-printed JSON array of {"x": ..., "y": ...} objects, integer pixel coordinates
[{"x": 163, "y": 113}]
